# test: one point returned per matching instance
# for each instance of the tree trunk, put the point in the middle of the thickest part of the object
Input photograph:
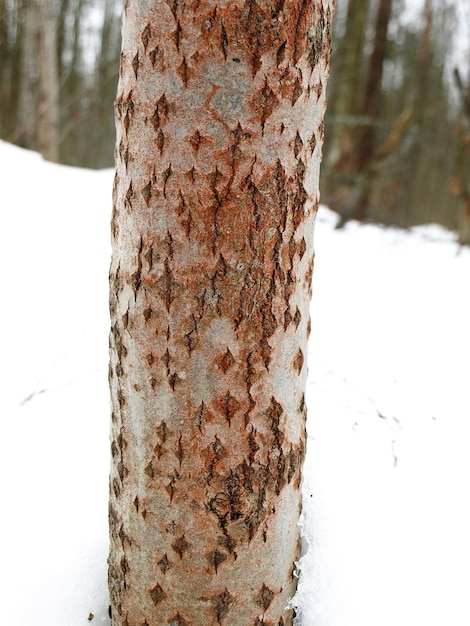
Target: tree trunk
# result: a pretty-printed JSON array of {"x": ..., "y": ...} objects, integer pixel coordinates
[
  {"x": 348, "y": 84},
  {"x": 219, "y": 131},
  {"x": 49, "y": 111},
  {"x": 365, "y": 150},
  {"x": 27, "y": 100}
]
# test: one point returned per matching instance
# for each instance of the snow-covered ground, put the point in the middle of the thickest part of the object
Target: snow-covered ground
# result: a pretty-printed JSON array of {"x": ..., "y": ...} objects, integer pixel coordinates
[{"x": 386, "y": 491}]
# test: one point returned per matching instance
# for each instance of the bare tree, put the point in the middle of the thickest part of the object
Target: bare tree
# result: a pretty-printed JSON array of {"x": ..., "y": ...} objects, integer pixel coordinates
[
  {"x": 348, "y": 84},
  {"x": 365, "y": 149},
  {"x": 27, "y": 96},
  {"x": 48, "y": 118},
  {"x": 219, "y": 132}
]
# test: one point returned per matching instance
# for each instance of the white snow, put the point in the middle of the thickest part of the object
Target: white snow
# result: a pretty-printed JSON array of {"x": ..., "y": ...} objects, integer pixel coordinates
[{"x": 386, "y": 487}]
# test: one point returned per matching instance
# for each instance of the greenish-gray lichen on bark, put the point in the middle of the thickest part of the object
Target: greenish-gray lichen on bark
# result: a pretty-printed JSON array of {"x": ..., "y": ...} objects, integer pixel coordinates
[{"x": 219, "y": 133}]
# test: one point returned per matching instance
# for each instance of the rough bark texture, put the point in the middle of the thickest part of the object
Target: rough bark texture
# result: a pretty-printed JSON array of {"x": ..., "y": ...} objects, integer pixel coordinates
[{"x": 219, "y": 133}]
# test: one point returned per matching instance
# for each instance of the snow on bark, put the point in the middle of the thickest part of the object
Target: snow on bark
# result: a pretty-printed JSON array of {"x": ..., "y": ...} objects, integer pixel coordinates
[{"x": 219, "y": 133}]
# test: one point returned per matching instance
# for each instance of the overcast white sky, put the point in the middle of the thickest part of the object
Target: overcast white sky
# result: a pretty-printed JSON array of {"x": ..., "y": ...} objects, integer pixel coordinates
[{"x": 461, "y": 35}]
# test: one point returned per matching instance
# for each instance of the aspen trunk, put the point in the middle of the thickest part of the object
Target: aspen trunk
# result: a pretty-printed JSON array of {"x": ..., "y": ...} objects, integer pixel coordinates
[{"x": 219, "y": 131}]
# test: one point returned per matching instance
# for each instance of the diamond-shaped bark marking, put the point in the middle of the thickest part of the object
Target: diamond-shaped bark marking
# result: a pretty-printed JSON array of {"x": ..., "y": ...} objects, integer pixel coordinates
[
  {"x": 226, "y": 361},
  {"x": 162, "y": 431},
  {"x": 165, "y": 176},
  {"x": 160, "y": 140},
  {"x": 149, "y": 470},
  {"x": 164, "y": 564},
  {"x": 294, "y": 461},
  {"x": 145, "y": 36},
  {"x": 187, "y": 224},
  {"x": 280, "y": 54},
  {"x": 158, "y": 450},
  {"x": 147, "y": 193},
  {"x": 268, "y": 103},
  {"x": 265, "y": 597},
  {"x": 298, "y": 361},
  {"x": 287, "y": 318},
  {"x": 312, "y": 143},
  {"x": 157, "y": 594},
  {"x": 297, "y": 317},
  {"x": 195, "y": 140},
  {"x": 173, "y": 380},
  {"x": 212, "y": 455},
  {"x": 163, "y": 105},
  {"x": 264, "y": 350},
  {"x": 166, "y": 286},
  {"x": 223, "y": 40},
  {"x": 296, "y": 90},
  {"x": 166, "y": 359},
  {"x": 135, "y": 64},
  {"x": 184, "y": 72},
  {"x": 298, "y": 144},
  {"x": 177, "y": 620},
  {"x": 222, "y": 603},
  {"x": 203, "y": 415},
  {"x": 174, "y": 477},
  {"x": 274, "y": 413},
  {"x": 179, "y": 450},
  {"x": 155, "y": 119},
  {"x": 129, "y": 194},
  {"x": 191, "y": 174},
  {"x": 230, "y": 406},
  {"x": 177, "y": 34},
  {"x": 180, "y": 546},
  {"x": 216, "y": 558}
]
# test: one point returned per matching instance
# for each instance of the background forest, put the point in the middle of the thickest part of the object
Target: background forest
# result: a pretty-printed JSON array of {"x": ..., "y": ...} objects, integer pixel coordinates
[{"x": 398, "y": 121}]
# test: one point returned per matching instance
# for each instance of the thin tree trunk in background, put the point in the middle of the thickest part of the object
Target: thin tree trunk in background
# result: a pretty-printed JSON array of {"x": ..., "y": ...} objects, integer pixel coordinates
[
  {"x": 219, "y": 132},
  {"x": 62, "y": 38},
  {"x": 347, "y": 91},
  {"x": 4, "y": 55},
  {"x": 419, "y": 197},
  {"x": 459, "y": 182},
  {"x": 365, "y": 148},
  {"x": 48, "y": 111},
  {"x": 105, "y": 81},
  {"x": 27, "y": 98},
  {"x": 10, "y": 65}
]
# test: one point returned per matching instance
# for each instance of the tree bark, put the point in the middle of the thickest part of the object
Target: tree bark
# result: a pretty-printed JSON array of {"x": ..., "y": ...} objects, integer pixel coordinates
[{"x": 219, "y": 132}]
